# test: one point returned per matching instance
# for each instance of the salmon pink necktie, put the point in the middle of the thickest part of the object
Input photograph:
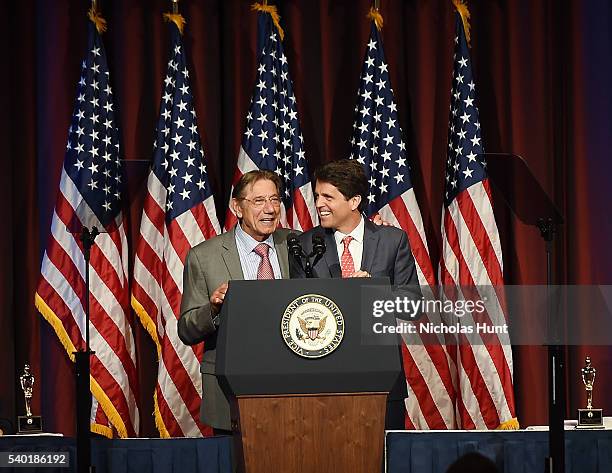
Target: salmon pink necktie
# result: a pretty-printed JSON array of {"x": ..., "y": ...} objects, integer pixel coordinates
[
  {"x": 346, "y": 262},
  {"x": 264, "y": 271}
]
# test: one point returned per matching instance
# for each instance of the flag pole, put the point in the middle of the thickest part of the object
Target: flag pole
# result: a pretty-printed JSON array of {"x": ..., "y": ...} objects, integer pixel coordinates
[
  {"x": 175, "y": 7},
  {"x": 82, "y": 358}
]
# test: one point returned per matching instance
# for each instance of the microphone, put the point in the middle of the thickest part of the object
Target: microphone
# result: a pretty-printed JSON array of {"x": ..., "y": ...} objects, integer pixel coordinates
[
  {"x": 294, "y": 247},
  {"x": 318, "y": 245}
]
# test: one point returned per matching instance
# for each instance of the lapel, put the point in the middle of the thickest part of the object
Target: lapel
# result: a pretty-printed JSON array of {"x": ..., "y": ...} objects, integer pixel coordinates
[
  {"x": 283, "y": 255},
  {"x": 370, "y": 243},
  {"x": 331, "y": 255},
  {"x": 230, "y": 254}
]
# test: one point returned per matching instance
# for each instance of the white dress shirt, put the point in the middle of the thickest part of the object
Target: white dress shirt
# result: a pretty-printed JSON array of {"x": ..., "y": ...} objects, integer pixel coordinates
[{"x": 249, "y": 260}]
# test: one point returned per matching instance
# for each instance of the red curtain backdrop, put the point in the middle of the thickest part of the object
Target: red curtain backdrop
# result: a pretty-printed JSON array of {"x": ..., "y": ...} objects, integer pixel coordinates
[{"x": 543, "y": 72}]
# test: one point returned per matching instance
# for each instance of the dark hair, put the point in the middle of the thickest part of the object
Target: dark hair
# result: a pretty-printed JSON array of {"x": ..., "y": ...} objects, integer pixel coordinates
[
  {"x": 348, "y": 176},
  {"x": 473, "y": 462},
  {"x": 252, "y": 177}
]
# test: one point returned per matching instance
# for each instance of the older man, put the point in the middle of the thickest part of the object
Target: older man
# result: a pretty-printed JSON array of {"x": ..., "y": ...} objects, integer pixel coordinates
[{"x": 254, "y": 249}]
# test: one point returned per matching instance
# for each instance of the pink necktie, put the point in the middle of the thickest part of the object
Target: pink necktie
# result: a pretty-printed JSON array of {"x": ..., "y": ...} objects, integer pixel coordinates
[
  {"x": 346, "y": 261},
  {"x": 264, "y": 271}
]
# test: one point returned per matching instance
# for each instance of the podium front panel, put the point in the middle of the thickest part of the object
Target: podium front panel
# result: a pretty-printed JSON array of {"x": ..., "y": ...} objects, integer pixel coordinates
[{"x": 253, "y": 358}]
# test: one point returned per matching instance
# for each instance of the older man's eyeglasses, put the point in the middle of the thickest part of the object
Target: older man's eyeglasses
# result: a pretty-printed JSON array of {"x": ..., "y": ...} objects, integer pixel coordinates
[{"x": 259, "y": 202}]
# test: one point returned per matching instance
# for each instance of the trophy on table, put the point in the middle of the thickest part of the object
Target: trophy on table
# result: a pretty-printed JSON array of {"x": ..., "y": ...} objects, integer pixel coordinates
[
  {"x": 28, "y": 424},
  {"x": 589, "y": 418}
]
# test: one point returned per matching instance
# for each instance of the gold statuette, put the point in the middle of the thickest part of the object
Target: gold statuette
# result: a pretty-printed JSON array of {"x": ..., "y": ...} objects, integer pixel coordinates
[
  {"x": 28, "y": 424},
  {"x": 589, "y": 418}
]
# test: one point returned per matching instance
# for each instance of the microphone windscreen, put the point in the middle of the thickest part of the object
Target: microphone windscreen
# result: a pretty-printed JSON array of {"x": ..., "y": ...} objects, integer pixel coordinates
[
  {"x": 318, "y": 243},
  {"x": 293, "y": 245}
]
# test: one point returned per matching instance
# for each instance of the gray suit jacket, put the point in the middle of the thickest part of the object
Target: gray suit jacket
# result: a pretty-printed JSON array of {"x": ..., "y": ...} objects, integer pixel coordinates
[
  {"x": 386, "y": 253},
  {"x": 209, "y": 265}
]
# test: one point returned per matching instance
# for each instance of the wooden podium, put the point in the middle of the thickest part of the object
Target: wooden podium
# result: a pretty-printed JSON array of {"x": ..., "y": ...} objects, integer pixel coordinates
[{"x": 297, "y": 414}]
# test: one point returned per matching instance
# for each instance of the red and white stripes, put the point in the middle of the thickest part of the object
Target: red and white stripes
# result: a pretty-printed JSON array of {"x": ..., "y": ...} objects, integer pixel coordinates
[
  {"x": 471, "y": 257},
  {"x": 60, "y": 297},
  {"x": 428, "y": 369},
  {"x": 156, "y": 297}
]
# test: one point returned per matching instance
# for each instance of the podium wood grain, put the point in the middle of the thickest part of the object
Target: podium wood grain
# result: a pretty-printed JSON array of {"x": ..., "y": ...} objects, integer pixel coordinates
[{"x": 333, "y": 433}]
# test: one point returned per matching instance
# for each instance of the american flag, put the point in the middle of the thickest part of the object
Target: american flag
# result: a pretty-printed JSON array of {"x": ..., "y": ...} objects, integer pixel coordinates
[
  {"x": 377, "y": 144},
  {"x": 90, "y": 195},
  {"x": 471, "y": 254},
  {"x": 178, "y": 213},
  {"x": 272, "y": 139}
]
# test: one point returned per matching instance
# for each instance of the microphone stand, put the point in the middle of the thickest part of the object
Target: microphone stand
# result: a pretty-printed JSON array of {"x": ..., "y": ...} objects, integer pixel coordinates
[
  {"x": 295, "y": 249},
  {"x": 555, "y": 462},
  {"x": 83, "y": 369},
  {"x": 303, "y": 259},
  {"x": 318, "y": 249},
  {"x": 307, "y": 266}
]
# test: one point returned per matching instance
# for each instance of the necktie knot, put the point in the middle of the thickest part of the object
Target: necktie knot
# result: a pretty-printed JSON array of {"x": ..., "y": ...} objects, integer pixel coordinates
[
  {"x": 262, "y": 249},
  {"x": 347, "y": 241}
]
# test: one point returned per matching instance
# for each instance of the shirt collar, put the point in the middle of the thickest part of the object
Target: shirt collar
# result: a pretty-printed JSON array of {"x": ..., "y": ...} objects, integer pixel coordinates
[
  {"x": 357, "y": 233},
  {"x": 248, "y": 242}
]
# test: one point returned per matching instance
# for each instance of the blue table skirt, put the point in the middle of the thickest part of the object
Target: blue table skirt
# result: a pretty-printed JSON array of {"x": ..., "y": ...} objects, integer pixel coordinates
[
  {"x": 586, "y": 451},
  {"x": 406, "y": 452},
  {"x": 209, "y": 455}
]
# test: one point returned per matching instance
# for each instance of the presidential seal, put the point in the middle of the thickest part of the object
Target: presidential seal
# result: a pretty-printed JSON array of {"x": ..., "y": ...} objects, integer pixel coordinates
[{"x": 312, "y": 326}]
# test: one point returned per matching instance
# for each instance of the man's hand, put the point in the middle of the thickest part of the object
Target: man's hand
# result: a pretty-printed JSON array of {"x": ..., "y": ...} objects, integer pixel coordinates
[
  {"x": 360, "y": 274},
  {"x": 216, "y": 298},
  {"x": 378, "y": 220}
]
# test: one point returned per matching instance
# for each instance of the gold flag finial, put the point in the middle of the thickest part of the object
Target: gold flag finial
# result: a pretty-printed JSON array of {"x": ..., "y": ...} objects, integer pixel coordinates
[
  {"x": 463, "y": 11},
  {"x": 94, "y": 15},
  {"x": 175, "y": 17},
  {"x": 376, "y": 17},
  {"x": 273, "y": 12}
]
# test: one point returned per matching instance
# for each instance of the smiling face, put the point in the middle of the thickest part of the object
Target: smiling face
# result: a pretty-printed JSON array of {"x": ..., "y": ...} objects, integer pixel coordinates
[
  {"x": 259, "y": 221},
  {"x": 334, "y": 209}
]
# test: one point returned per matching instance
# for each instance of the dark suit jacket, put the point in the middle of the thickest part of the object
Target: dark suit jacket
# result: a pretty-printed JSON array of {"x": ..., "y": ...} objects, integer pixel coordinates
[
  {"x": 209, "y": 265},
  {"x": 386, "y": 253}
]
